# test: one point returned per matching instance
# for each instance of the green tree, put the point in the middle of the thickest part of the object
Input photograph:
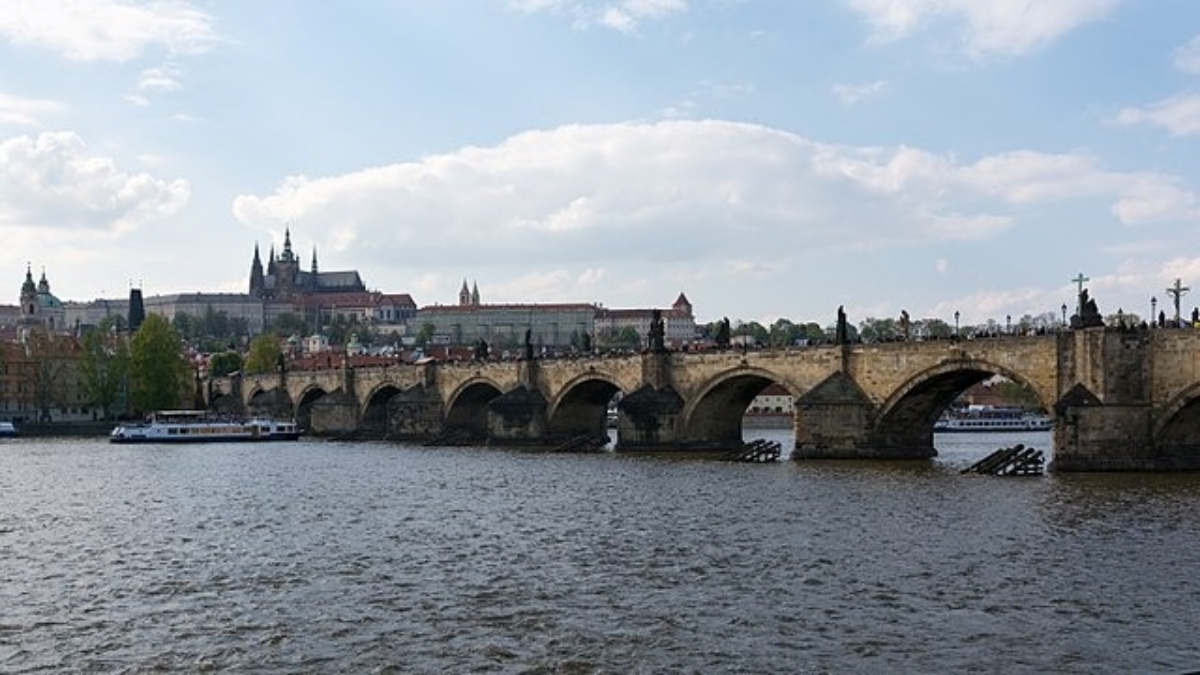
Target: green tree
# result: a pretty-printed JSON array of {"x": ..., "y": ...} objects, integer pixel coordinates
[
  {"x": 757, "y": 333},
  {"x": 289, "y": 323},
  {"x": 878, "y": 330},
  {"x": 113, "y": 323},
  {"x": 264, "y": 354},
  {"x": 627, "y": 337},
  {"x": 158, "y": 372},
  {"x": 224, "y": 363},
  {"x": 784, "y": 333},
  {"x": 104, "y": 370},
  {"x": 425, "y": 334}
]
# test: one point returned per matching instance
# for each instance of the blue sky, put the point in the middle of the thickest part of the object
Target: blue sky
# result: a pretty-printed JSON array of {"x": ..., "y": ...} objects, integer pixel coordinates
[{"x": 769, "y": 158}]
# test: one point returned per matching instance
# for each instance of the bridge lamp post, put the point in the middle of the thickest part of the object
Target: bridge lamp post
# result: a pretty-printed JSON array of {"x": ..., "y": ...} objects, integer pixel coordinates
[
  {"x": 956, "y": 323},
  {"x": 1008, "y": 323},
  {"x": 1153, "y": 310},
  {"x": 1064, "y": 313}
]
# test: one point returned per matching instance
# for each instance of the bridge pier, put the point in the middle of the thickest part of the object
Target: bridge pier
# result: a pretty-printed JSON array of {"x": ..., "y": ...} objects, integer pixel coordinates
[
  {"x": 649, "y": 419},
  {"x": 837, "y": 420},
  {"x": 517, "y": 418},
  {"x": 415, "y": 414}
]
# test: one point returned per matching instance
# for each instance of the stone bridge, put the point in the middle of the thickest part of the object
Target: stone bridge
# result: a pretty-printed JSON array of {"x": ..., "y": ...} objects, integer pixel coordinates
[{"x": 1121, "y": 400}]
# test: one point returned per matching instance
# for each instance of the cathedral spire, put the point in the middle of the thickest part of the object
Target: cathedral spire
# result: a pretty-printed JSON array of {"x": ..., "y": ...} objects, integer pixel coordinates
[
  {"x": 464, "y": 294},
  {"x": 256, "y": 274},
  {"x": 314, "y": 261},
  {"x": 287, "y": 255}
]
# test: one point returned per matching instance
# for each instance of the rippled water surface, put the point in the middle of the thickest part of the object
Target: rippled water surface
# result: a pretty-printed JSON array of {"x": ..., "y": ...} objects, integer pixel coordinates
[{"x": 333, "y": 557}]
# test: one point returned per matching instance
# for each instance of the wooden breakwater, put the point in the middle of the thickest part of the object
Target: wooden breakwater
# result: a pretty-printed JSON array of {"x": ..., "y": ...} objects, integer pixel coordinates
[
  {"x": 1015, "y": 461},
  {"x": 758, "y": 450}
]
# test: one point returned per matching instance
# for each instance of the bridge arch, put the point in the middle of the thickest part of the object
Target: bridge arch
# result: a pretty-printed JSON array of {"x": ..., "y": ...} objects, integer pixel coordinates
[
  {"x": 308, "y": 396},
  {"x": 1176, "y": 430},
  {"x": 274, "y": 402},
  {"x": 466, "y": 407},
  {"x": 907, "y": 416},
  {"x": 374, "y": 414},
  {"x": 715, "y": 414},
  {"x": 581, "y": 407}
]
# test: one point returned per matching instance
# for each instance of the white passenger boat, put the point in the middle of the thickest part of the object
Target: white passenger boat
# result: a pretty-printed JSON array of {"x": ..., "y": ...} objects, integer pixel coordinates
[
  {"x": 7, "y": 430},
  {"x": 979, "y": 418},
  {"x": 199, "y": 426}
]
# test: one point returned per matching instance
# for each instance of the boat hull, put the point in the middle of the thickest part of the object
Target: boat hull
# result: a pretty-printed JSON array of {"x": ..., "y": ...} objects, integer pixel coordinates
[
  {"x": 211, "y": 438},
  {"x": 192, "y": 426}
]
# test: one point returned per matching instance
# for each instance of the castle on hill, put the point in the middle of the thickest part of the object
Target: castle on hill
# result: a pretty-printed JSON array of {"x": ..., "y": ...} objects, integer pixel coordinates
[{"x": 283, "y": 278}]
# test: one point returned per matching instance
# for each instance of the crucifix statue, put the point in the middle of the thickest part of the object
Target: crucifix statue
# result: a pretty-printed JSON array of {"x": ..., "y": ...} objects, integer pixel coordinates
[
  {"x": 1080, "y": 281},
  {"x": 1177, "y": 292}
]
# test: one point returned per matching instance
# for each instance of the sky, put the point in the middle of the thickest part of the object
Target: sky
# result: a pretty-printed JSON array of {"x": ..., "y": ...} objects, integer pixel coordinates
[{"x": 769, "y": 158}]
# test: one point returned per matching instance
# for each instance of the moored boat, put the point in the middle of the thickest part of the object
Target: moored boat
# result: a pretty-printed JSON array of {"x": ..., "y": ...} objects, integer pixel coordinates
[
  {"x": 199, "y": 426},
  {"x": 7, "y": 430},
  {"x": 992, "y": 419}
]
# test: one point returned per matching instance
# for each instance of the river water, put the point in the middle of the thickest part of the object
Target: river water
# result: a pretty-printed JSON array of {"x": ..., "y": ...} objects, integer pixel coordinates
[{"x": 376, "y": 557}]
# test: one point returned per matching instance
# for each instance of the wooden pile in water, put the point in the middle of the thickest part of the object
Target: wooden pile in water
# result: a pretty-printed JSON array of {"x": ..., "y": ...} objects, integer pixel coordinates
[
  {"x": 758, "y": 450},
  {"x": 1015, "y": 461}
]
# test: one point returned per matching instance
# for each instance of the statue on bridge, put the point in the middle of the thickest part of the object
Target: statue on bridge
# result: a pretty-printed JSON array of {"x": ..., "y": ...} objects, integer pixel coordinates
[
  {"x": 842, "y": 336},
  {"x": 528, "y": 344},
  {"x": 1089, "y": 314},
  {"x": 657, "y": 333},
  {"x": 481, "y": 350}
]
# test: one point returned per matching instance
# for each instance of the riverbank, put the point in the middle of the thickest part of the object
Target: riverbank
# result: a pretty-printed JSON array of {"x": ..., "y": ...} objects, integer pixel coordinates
[{"x": 65, "y": 429}]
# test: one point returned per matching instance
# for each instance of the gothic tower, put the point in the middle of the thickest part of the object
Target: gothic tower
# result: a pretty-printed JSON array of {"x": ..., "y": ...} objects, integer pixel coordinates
[
  {"x": 257, "y": 285},
  {"x": 287, "y": 268},
  {"x": 464, "y": 295}
]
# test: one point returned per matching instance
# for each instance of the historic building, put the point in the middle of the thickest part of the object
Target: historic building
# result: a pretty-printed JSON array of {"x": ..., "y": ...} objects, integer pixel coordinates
[
  {"x": 236, "y": 306},
  {"x": 39, "y": 307},
  {"x": 284, "y": 280},
  {"x": 555, "y": 325},
  {"x": 503, "y": 326},
  {"x": 679, "y": 324}
]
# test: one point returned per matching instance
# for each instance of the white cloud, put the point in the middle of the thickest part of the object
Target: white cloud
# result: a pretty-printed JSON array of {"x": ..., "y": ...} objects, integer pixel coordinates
[
  {"x": 54, "y": 182},
  {"x": 107, "y": 30},
  {"x": 161, "y": 79},
  {"x": 680, "y": 196},
  {"x": 1179, "y": 115},
  {"x": 1016, "y": 178},
  {"x": 25, "y": 111},
  {"x": 1187, "y": 57},
  {"x": 625, "y": 16},
  {"x": 850, "y": 94},
  {"x": 990, "y": 28}
]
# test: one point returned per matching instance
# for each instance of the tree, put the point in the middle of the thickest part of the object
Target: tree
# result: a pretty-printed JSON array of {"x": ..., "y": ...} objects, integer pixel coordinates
[
  {"x": 264, "y": 354},
  {"x": 158, "y": 372},
  {"x": 784, "y": 333},
  {"x": 754, "y": 330},
  {"x": 224, "y": 363},
  {"x": 51, "y": 356},
  {"x": 627, "y": 337},
  {"x": 105, "y": 370},
  {"x": 721, "y": 336},
  {"x": 289, "y": 323},
  {"x": 425, "y": 334}
]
